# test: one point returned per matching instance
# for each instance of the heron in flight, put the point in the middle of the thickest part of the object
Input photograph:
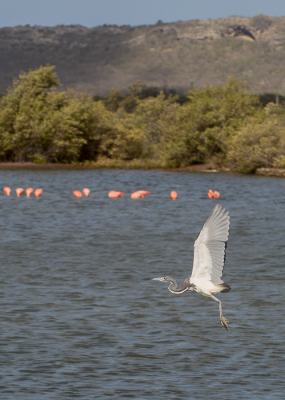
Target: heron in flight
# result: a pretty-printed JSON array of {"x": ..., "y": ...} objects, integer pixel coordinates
[{"x": 209, "y": 259}]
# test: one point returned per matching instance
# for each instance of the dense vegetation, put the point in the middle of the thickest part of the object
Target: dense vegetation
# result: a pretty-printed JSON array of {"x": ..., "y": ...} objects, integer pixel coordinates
[{"x": 223, "y": 126}]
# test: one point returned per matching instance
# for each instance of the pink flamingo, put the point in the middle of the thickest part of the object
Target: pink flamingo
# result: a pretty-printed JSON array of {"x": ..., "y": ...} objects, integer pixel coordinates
[
  {"x": 7, "y": 191},
  {"x": 77, "y": 193},
  {"x": 114, "y": 194},
  {"x": 139, "y": 194},
  {"x": 29, "y": 191},
  {"x": 86, "y": 192},
  {"x": 211, "y": 194},
  {"x": 19, "y": 192},
  {"x": 38, "y": 192}
]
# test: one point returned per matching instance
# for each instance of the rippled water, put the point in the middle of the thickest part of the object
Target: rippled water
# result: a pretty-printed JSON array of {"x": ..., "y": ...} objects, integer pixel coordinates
[{"x": 77, "y": 318}]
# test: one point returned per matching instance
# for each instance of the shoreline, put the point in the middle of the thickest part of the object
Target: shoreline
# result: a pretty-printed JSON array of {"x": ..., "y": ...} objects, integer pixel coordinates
[
  {"x": 126, "y": 166},
  {"x": 275, "y": 172}
]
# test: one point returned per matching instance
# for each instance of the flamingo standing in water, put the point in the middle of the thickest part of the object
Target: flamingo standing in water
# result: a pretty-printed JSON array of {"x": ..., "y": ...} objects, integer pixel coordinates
[
  {"x": 86, "y": 192},
  {"x": 77, "y": 193},
  {"x": 139, "y": 194},
  {"x": 113, "y": 194},
  {"x": 209, "y": 259},
  {"x": 29, "y": 192},
  {"x": 7, "y": 191},
  {"x": 211, "y": 194},
  {"x": 19, "y": 192},
  {"x": 38, "y": 192}
]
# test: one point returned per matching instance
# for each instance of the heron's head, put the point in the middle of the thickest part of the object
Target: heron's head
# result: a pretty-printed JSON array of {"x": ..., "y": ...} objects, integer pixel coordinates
[{"x": 162, "y": 279}]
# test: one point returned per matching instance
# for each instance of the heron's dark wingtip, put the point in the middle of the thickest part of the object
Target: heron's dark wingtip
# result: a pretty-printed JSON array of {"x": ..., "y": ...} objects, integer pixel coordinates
[{"x": 147, "y": 279}]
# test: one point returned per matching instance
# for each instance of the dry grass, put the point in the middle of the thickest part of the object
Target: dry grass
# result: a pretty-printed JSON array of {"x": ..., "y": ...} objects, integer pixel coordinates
[{"x": 178, "y": 55}]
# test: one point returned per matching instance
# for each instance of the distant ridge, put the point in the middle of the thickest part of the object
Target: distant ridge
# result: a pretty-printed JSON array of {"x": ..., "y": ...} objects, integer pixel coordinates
[{"x": 180, "y": 55}]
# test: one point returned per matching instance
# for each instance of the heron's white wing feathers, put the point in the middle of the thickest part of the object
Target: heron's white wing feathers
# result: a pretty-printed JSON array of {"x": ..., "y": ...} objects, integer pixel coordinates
[{"x": 210, "y": 246}]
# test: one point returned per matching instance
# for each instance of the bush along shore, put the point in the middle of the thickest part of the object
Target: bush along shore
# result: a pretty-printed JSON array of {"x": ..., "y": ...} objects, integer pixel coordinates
[{"x": 224, "y": 128}]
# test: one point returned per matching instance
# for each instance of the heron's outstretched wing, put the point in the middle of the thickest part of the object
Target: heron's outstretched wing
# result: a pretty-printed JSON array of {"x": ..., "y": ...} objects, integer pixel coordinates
[{"x": 210, "y": 246}]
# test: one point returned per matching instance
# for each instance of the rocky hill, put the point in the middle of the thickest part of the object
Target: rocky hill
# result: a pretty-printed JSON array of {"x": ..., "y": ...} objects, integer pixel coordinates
[{"x": 178, "y": 55}]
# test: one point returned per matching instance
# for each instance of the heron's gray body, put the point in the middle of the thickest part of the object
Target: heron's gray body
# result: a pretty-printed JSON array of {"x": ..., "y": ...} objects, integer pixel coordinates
[{"x": 209, "y": 259}]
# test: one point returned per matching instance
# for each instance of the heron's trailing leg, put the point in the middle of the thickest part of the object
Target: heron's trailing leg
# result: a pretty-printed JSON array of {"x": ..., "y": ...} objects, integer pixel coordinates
[{"x": 224, "y": 321}]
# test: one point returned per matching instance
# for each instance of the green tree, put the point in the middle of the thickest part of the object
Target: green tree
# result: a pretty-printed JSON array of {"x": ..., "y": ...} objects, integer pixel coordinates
[
  {"x": 205, "y": 123},
  {"x": 156, "y": 116},
  {"x": 259, "y": 142},
  {"x": 39, "y": 124},
  {"x": 73, "y": 129},
  {"x": 25, "y": 113}
]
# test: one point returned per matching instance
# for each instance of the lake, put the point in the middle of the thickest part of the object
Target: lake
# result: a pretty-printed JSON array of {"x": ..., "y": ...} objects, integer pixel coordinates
[{"x": 78, "y": 321}]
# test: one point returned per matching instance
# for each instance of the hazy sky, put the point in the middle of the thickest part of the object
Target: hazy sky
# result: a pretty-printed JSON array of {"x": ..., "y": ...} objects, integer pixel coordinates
[{"x": 129, "y": 12}]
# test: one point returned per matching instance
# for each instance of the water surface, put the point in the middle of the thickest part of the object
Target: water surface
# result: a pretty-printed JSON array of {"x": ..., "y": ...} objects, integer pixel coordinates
[{"x": 79, "y": 322}]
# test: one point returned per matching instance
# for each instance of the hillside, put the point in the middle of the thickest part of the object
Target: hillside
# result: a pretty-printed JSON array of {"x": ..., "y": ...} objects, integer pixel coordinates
[{"x": 178, "y": 55}]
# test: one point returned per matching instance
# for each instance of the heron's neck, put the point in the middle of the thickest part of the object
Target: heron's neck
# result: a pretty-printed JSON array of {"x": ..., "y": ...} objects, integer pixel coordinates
[{"x": 174, "y": 286}]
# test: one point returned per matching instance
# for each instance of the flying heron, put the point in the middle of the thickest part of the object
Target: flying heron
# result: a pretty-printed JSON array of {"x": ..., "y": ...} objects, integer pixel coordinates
[{"x": 209, "y": 259}]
